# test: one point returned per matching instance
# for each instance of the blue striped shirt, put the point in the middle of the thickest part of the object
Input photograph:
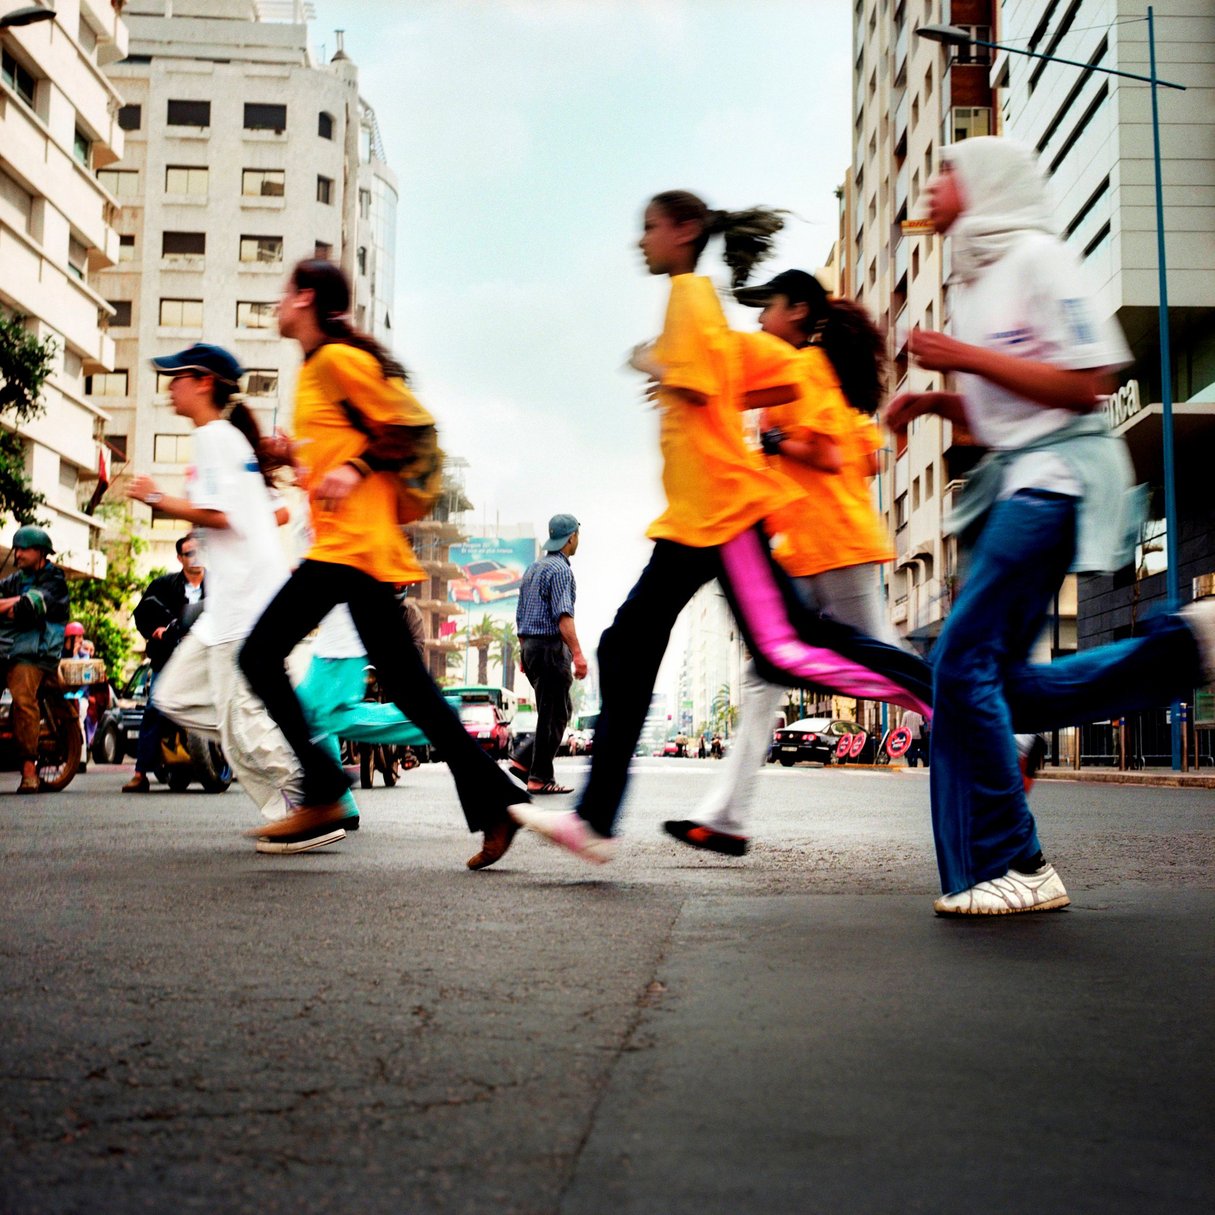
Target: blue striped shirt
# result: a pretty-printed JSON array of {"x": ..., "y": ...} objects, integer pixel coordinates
[{"x": 546, "y": 593}]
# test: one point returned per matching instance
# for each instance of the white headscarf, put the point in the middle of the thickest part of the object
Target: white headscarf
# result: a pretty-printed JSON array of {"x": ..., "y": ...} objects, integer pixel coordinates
[{"x": 1003, "y": 193}]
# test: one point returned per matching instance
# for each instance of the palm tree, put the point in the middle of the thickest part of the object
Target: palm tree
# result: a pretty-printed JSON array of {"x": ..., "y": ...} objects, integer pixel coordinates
[{"x": 508, "y": 640}]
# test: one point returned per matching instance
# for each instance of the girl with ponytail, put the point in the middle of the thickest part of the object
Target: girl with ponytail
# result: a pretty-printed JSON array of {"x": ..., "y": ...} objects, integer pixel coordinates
[
  {"x": 229, "y": 504},
  {"x": 355, "y": 424},
  {"x": 719, "y": 492},
  {"x": 827, "y": 444}
]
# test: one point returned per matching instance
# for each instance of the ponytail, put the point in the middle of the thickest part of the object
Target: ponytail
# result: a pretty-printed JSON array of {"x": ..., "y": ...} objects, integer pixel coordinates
[
  {"x": 241, "y": 416},
  {"x": 331, "y": 302},
  {"x": 748, "y": 234},
  {"x": 857, "y": 352}
]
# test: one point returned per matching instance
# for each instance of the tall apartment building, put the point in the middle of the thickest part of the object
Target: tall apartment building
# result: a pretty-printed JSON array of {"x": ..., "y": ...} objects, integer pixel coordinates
[
  {"x": 1093, "y": 133},
  {"x": 57, "y": 127},
  {"x": 907, "y": 103},
  {"x": 243, "y": 155}
]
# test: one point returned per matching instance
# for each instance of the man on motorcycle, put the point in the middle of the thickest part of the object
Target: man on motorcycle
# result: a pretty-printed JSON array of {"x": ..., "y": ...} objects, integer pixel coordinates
[
  {"x": 163, "y": 617},
  {"x": 33, "y": 616}
]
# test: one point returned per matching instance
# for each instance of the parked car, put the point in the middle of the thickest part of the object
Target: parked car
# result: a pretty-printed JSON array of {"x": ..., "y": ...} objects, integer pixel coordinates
[
  {"x": 523, "y": 726},
  {"x": 488, "y": 725},
  {"x": 813, "y": 738},
  {"x": 486, "y": 581},
  {"x": 117, "y": 733}
]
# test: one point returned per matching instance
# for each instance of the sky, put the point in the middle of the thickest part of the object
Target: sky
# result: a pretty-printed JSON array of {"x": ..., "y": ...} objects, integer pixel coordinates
[{"x": 526, "y": 137}]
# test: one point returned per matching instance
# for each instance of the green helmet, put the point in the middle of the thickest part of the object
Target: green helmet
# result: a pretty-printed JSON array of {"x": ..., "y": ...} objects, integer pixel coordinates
[{"x": 30, "y": 536}]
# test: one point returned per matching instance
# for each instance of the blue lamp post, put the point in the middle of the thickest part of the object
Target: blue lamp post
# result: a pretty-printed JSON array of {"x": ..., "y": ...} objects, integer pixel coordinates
[{"x": 952, "y": 35}]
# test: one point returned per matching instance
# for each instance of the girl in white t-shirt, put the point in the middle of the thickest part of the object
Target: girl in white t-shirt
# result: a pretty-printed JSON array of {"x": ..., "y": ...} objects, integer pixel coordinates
[
  {"x": 1032, "y": 358},
  {"x": 228, "y": 501}
]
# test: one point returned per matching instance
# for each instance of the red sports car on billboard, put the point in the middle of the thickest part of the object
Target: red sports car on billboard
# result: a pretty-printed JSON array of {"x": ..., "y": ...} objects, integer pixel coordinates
[{"x": 486, "y": 581}]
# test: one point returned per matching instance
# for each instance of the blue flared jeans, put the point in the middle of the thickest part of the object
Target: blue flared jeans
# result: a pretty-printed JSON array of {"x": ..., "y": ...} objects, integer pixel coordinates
[{"x": 984, "y": 689}]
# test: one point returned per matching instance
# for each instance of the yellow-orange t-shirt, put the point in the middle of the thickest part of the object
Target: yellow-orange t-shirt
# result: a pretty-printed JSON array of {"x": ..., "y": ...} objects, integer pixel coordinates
[
  {"x": 716, "y": 486},
  {"x": 363, "y": 530},
  {"x": 833, "y": 524}
]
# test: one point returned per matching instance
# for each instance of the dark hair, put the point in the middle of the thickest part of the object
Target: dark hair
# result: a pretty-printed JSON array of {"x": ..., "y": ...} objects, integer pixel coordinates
[
  {"x": 854, "y": 345},
  {"x": 241, "y": 416},
  {"x": 183, "y": 540},
  {"x": 748, "y": 234},
  {"x": 331, "y": 302}
]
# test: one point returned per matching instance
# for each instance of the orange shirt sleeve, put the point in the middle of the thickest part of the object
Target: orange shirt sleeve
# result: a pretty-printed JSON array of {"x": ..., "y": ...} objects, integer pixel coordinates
[{"x": 683, "y": 347}]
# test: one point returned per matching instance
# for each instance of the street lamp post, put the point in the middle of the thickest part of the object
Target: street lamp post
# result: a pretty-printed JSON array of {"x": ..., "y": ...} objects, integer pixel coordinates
[{"x": 952, "y": 35}]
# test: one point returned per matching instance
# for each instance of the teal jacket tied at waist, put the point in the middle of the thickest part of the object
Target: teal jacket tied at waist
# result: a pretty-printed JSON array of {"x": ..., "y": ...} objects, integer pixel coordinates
[
  {"x": 1109, "y": 512},
  {"x": 34, "y": 634}
]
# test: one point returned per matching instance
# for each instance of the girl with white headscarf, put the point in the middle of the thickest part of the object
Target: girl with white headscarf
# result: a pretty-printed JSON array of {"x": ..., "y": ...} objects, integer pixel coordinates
[{"x": 1032, "y": 357}]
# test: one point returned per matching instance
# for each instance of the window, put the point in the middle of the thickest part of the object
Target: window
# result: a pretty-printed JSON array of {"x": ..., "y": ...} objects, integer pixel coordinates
[
  {"x": 262, "y": 117},
  {"x": 130, "y": 117},
  {"x": 323, "y": 251},
  {"x": 162, "y": 383},
  {"x": 171, "y": 449},
  {"x": 967, "y": 121},
  {"x": 189, "y": 114},
  {"x": 165, "y": 523},
  {"x": 263, "y": 183},
  {"x": 364, "y": 204},
  {"x": 187, "y": 179},
  {"x": 362, "y": 259},
  {"x": 181, "y": 314},
  {"x": 183, "y": 244},
  {"x": 106, "y": 384},
  {"x": 254, "y": 315},
  {"x": 21, "y": 81},
  {"x": 265, "y": 250},
  {"x": 77, "y": 258},
  {"x": 928, "y": 84},
  {"x": 117, "y": 445},
  {"x": 126, "y": 248},
  {"x": 122, "y": 183},
  {"x": 324, "y": 190},
  {"x": 262, "y": 382},
  {"x": 915, "y": 262},
  {"x": 16, "y": 203},
  {"x": 122, "y": 314},
  {"x": 929, "y": 477},
  {"x": 900, "y": 512},
  {"x": 69, "y": 477},
  {"x": 915, "y": 493},
  {"x": 82, "y": 147},
  {"x": 324, "y": 125}
]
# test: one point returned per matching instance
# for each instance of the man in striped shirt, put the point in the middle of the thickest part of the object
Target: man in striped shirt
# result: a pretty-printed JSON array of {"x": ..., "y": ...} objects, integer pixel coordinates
[{"x": 551, "y": 655}]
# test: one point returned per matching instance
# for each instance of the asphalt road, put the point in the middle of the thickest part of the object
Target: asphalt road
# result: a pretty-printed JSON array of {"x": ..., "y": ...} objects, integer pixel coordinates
[{"x": 188, "y": 1025}]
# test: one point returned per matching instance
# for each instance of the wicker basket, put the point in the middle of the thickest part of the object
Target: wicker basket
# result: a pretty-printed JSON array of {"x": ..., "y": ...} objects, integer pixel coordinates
[{"x": 80, "y": 672}]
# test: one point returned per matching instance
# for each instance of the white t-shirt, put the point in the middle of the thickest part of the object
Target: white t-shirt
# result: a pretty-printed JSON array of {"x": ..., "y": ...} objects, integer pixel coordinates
[
  {"x": 1033, "y": 303},
  {"x": 244, "y": 561},
  {"x": 337, "y": 637}
]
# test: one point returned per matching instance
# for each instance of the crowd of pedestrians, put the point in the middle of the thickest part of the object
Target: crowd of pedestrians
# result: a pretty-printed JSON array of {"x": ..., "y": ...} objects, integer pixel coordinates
[{"x": 1031, "y": 358}]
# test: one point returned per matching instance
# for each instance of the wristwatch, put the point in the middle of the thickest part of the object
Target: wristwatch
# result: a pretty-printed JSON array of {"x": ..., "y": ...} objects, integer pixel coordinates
[{"x": 155, "y": 498}]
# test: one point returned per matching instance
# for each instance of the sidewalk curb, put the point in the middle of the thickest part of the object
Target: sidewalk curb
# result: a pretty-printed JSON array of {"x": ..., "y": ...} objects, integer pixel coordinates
[{"x": 1173, "y": 780}]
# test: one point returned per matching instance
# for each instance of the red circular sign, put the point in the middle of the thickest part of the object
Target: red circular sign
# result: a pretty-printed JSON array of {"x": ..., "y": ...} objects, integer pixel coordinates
[
  {"x": 843, "y": 746},
  {"x": 898, "y": 742},
  {"x": 858, "y": 744}
]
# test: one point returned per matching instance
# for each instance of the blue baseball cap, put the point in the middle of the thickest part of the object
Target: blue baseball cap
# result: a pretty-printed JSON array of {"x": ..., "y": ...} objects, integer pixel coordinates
[
  {"x": 205, "y": 359},
  {"x": 560, "y": 529}
]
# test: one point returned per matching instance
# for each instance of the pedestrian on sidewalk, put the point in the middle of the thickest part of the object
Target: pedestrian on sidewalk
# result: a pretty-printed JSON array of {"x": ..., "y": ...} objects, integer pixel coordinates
[
  {"x": 917, "y": 750},
  {"x": 550, "y": 653},
  {"x": 229, "y": 504},
  {"x": 1033, "y": 358},
  {"x": 718, "y": 494},
  {"x": 826, "y": 443},
  {"x": 163, "y": 616},
  {"x": 356, "y": 426}
]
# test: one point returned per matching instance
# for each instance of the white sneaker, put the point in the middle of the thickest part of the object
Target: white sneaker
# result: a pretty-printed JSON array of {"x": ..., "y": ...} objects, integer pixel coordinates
[
  {"x": 1007, "y": 895},
  {"x": 1200, "y": 616},
  {"x": 566, "y": 828}
]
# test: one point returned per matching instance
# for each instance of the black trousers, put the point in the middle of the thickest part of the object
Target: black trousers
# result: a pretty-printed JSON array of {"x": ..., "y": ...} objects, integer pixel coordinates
[
  {"x": 547, "y": 665},
  {"x": 306, "y": 598}
]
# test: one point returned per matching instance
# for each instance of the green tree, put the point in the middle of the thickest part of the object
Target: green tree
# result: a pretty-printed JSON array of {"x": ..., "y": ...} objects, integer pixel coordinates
[
  {"x": 103, "y": 605},
  {"x": 508, "y": 642},
  {"x": 25, "y": 363}
]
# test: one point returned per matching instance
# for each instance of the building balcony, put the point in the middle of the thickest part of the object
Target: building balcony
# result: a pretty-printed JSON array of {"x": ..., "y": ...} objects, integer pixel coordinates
[{"x": 899, "y": 65}]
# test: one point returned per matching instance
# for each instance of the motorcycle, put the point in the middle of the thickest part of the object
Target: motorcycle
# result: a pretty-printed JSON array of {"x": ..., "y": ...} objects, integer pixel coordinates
[{"x": 60, "y": 739}]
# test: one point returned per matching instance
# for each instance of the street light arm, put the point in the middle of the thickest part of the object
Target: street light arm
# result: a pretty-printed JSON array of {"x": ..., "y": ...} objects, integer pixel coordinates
[{"x": 952, "y": 35}]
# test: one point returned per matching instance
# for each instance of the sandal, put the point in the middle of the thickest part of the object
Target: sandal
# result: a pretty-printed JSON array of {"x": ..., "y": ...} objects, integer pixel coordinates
[{"x": 549, "y": 786}]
